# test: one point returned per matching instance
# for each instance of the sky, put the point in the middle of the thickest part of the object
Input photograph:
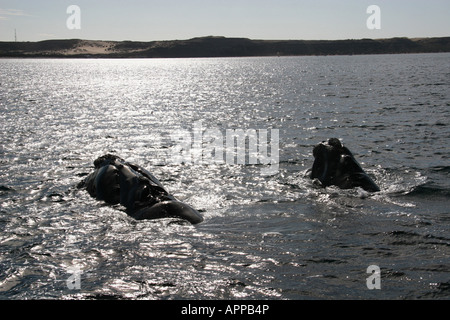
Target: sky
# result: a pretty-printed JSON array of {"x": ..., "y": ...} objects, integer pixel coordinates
[{"x": 139, "y": 20}]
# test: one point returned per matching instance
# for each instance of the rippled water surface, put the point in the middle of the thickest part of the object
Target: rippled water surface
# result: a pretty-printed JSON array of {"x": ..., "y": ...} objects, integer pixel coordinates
[{"x": 264, "y": 237}]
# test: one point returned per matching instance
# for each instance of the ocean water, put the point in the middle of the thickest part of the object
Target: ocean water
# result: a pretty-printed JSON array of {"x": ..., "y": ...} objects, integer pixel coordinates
[{"x": 277, "y": 236}]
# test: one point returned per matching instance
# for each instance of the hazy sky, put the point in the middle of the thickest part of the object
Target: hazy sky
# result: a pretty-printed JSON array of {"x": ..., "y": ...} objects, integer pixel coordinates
[{"x": 141, "y": 20}]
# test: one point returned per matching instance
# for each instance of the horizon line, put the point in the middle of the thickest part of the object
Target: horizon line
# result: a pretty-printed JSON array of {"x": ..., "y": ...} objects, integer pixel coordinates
[{"x": 227, "y": 37}]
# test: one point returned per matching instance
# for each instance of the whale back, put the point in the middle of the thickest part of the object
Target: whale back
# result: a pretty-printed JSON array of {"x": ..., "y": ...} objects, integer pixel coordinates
[{"x": 116, "y": 181}]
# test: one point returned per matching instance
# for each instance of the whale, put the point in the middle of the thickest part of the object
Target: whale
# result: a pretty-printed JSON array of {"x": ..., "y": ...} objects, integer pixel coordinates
[
  {"x": 335, "y": 165},
  {"x": 116, "y": 181}
]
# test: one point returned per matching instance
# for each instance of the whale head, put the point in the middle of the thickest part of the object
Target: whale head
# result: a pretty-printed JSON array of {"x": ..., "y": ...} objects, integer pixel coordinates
[{"x": 334, "y": 164}]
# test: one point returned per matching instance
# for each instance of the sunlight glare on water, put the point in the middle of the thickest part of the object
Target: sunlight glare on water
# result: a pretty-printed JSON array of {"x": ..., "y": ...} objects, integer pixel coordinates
[{"x": 276, "y": 236}]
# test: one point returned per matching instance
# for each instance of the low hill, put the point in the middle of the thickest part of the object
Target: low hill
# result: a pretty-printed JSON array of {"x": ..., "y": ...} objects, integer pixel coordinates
[{"x": 219, "y": 47}]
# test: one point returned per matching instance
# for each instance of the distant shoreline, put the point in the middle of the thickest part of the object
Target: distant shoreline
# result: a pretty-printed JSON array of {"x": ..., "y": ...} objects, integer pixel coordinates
[{"x": 207, "y": 47}]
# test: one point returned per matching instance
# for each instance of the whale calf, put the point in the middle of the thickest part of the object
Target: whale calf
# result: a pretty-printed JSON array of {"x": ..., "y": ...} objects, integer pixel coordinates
[
  {"x": 335, "y": 165},
  {"x": 116, "y": 181}
]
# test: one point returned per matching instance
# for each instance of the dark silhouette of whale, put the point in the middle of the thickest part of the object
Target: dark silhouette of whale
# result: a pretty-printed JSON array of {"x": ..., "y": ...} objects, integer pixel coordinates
[
  {"x": 335, "y": 165},
  {"x": 116, "y": 181}
]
